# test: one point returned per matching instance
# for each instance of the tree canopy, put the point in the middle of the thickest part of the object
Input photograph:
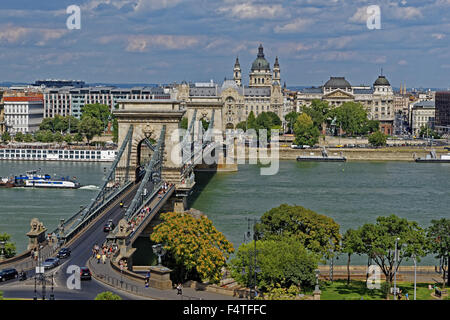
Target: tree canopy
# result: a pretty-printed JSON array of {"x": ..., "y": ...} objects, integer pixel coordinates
[
  {"x": 378, "y": 242},
  {"x": 90, "y": 127},
  {"x": 194, "y": 245},
  {"x": 305, "y": 131},
  {"x": 10, "y": 247},
  {"x": 98, "y": 111},
  {"x": 319, "y": 111},
  {"x": 378, "y": 139},
  {"x": 351, "y": 117},
  {"x": 281, "y": 264},
  {"x": 439, "y": 239},
  {"x": 318, "y": 233},
  {"x": 107, "y": 295}
]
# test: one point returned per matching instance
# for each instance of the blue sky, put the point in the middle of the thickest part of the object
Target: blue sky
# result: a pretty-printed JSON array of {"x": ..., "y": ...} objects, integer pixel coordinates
[{"x": 161, "y": 41}]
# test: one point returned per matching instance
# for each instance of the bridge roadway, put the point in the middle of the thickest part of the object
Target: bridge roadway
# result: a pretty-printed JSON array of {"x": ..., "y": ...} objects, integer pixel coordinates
[{"x": 81, "y": 247}]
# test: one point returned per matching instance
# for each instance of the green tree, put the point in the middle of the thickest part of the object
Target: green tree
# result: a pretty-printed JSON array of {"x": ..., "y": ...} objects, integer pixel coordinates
[
  {"x": 91, "y": 127},
  {"x": 372, "y": 126},
  {"x": 439, "y": 238},
  {"x": 10, "y": 247},
  {"x": 305, "y": 131},
  {"x": 351, "y": 117},
  {"x": 195, "y": 247},
  {"x": 378, "y": 139},
  {"x": 107, "y": 295},
  {"x": 351, "y": 244},
  {"x": 97, "y": 111},
  {"x": 48, "y": 136},
  {"x": 68, "y": 138},
  {"x": 205, "y": 124},
  {"x": 115, "y": 130},
  {"x": 251, "y": 121},
  {"x": 318, "y": 233},
  {"x": 282, "y": 263},
  {"x": 184, "y": 123},
  {"x": 427, "y": 132},
  {"x": 78, "y": 137},
  {"x": 318, "y": 111},
  {"x": 378, "y": 242},
  {"x": 6, "y": 137},
  {"x": 291, "y": 119},
  {"x": 28, "y": 137},
  {"x": 274, "y": 119},
  {"x": 71, "y": 124},
  {"x": 47, "y": 124},
  {"x": 19, "y": 137},
  {"x": 242, "y": 125},
  {"x": 58, "y": 137}
]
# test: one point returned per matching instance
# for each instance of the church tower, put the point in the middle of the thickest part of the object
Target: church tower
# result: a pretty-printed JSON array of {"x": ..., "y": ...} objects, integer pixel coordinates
[
  {"x": 237, "y": 74},
  {"x": 276, "y": 71},
  {"x": 260, "y": 74}
]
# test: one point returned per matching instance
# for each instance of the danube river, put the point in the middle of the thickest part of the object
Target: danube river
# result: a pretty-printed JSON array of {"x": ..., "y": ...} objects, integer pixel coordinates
[{"x": 352, "y": 193}]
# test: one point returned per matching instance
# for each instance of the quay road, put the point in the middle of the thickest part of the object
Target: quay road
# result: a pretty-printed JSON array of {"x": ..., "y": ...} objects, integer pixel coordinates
[{"x": 81, "y": 248}]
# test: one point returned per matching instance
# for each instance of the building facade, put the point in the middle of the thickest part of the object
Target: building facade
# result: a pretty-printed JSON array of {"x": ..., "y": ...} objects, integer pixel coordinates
[
  {"x": 377, "y": 99},
  {"x": 263, "y": 94},
  {"x": 442, "y": 103},
  {"x": 23, "y": 114},
  {"x": 422, "y": 114},
  {"x": 66, "y": 101}
]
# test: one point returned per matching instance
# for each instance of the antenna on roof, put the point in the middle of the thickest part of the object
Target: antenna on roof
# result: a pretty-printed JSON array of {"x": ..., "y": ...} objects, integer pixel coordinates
[{"x": 381, "y": 71}]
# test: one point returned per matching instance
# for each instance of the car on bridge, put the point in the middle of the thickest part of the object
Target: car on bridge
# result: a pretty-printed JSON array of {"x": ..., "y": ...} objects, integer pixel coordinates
[
  {"x": 8, "y": 274},
  {"x": 85, "y": 273},
  {"x": 63, "y": 253},
  {"x": 109, "y": 226},
  {"x": 50, "y": 263}
]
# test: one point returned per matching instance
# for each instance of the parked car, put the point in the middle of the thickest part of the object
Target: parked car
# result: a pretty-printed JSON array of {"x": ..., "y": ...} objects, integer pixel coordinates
[
  {"x": 85, "y": 273},
  {"x": 63, "y": 253},
  {"x": 50, "y": 263},
  {"x": 109, "y": 226},
  {"x": 8, "y": 274}
]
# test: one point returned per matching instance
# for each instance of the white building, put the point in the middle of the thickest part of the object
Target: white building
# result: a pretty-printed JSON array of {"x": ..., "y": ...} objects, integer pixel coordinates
[
  {"x": 23, "y": 114},
  {"x": 423, "y": 114}
]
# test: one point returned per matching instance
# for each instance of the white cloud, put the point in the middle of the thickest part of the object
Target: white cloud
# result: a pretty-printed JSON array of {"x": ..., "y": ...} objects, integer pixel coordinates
[
  {"x": 438, "y": 36},
  {"x": 253, "y": 11},
  {"x": 40, "y": 36},
  {"x": 148, "y": 42},
  {"x": 403, "y": 62},
  {"x": 294, "y": 26}
]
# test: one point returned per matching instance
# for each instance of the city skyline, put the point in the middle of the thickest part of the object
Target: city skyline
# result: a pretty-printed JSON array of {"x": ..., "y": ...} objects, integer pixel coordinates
[{"x": 171, "y": 41}]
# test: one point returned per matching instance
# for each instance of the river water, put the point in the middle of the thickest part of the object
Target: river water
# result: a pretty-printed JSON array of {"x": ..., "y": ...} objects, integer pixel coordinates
[{"x": 352, "y": 193}]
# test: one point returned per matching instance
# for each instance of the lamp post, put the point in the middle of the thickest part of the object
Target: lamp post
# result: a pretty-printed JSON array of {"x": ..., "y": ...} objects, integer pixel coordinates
[
  {"x": 2, "y": 248},
  {"x": 255, "y": 268},
  {"x": 159, "y": 250},
  {"x": 415, "y": 265},
  {"x": 395, "y": 270}
]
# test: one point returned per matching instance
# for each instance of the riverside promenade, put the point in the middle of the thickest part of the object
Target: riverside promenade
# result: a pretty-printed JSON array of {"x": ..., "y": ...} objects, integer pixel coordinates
[{"x": 106, "y": 274}]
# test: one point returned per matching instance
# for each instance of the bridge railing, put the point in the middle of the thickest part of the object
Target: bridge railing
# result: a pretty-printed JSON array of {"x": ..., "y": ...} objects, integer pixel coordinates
[
  {"x": 85, "y": 222},
  {"x": 138, "y": 228}
]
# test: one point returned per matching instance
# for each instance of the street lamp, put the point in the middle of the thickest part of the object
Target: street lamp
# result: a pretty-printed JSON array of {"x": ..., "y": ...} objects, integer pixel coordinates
[
  {"x": 2, "y": 248},
  {"x": 159, "y": 250},
  {"x": 317, "y": 289},
  {"x": 415, "y": 265},
  {"x": 395, "y": 270}
]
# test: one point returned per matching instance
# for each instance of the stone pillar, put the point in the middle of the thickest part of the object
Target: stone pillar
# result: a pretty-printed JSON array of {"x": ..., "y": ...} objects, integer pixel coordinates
[
  {"x": 316, "y": 294},
  {"x": 37, "y": 234},
  {"x": 160, "y": 278}
]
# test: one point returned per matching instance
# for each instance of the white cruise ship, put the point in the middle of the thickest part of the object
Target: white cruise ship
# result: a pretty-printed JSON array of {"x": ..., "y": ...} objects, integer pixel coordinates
[
  {"x": 34, "y": 180},
  {"x": 57, "y": 154}
]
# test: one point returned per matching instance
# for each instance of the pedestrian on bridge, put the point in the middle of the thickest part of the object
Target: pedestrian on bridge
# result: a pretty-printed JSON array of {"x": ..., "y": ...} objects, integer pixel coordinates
[
  {"x": 98, "y": 257},
  {"x": 104, "y": 258},
  {"x": 179, "y": 289}
]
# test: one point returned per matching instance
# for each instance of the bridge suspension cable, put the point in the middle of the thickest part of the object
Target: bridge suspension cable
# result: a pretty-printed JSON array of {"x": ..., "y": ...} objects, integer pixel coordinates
[
  {"x": 105, "y": 191},
  {"x": 152, "y": 177}
]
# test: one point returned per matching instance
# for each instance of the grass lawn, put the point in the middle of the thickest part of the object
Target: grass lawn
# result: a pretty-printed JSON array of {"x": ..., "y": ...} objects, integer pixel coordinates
[{"x": 339, "y": 290}]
